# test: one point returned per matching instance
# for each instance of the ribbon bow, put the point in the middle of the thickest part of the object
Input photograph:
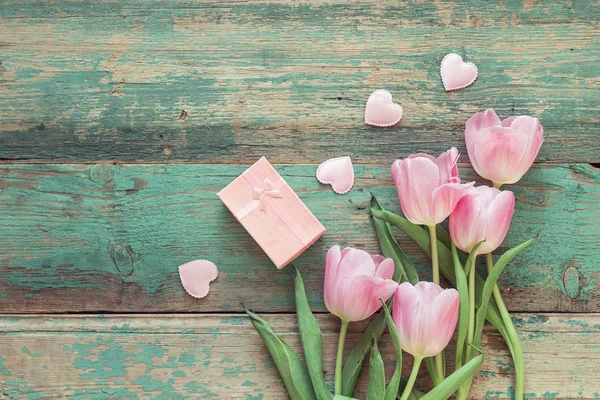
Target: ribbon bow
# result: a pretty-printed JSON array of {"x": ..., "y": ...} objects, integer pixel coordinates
[
  {"x": 262, "y": 199},
  {"x": 261, "y": 194}
]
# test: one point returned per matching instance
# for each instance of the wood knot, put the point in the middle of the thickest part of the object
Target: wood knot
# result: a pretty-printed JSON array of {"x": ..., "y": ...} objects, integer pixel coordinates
[
  {"x": 123, "y": 258},
  {"x": 101, "y": 173},
  {"x": 571, "y": 282}
]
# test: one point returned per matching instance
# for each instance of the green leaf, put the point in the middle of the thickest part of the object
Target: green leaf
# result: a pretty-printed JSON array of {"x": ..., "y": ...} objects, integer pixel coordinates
[
  {"x": 432, "y": 370},
  {"x": 392, "y": 389},
  {"x": 490, "y": 283},
  {"x": 340, "y": 397},
  {"x": 421, "y": 237},
  {"x": 354, "y": 362},
  {"x": 405, "y": 270},
  {"x": 414, "y": 393},
  {"x": 293, "y": 373},
  {"x": 467, "y": 266},
  {"x": 444, "y": 237},
  {"x": 451, "y": 384},
  {"x": 391, "y": 249},
  {"x": 376, "y": 374},
  {"x": 463, "y": 309},
  {"x": 311, "y": 337}
]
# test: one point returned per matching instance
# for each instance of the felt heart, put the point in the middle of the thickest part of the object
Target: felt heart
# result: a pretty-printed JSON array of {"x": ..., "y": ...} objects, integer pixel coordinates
[
  {"x": 457, "y": 74},
  {"x": 196, "y": 276},
  {"x": 337, "y": 172},
  {"x": 381, "y": 110}
]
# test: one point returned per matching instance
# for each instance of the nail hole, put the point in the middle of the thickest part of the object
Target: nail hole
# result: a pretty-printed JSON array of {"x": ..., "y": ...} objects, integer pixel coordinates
[{"x": 183, "y": 115}]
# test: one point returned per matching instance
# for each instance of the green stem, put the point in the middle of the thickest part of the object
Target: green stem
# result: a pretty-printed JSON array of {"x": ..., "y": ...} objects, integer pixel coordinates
[
  {"x": 512, "y": 333},
  {"x": 411, "y": 379},
  {"x": 471, "y": 331},
  {"x": 435, "y": 268},
  {"x": 339, "y": 360}
]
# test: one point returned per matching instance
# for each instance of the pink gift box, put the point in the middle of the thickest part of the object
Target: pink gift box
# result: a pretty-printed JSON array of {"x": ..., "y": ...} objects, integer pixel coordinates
[{"x": 272, "y": 213}]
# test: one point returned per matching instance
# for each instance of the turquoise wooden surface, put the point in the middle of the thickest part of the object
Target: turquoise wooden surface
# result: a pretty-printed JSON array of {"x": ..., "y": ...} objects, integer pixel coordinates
[
  {"x": 89, "y": 230},
  {"x": 120, "y": 120},
  {"x": 109, "y": 80},
  {"x": 220, "y": 356}
]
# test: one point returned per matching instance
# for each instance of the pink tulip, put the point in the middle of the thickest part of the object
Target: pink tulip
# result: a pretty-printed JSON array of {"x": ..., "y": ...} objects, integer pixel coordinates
[
  {"x": 502, "y": 151},
  {"x": 428, "y": 187},
  {"x": 426, "y": 316},
  {"x": 355, "y": 281},
  {"x": 483, "y": 213}
]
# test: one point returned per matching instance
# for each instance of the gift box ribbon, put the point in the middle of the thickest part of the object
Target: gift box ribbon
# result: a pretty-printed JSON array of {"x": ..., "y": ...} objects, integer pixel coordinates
[{"x": 266, "y": 195}]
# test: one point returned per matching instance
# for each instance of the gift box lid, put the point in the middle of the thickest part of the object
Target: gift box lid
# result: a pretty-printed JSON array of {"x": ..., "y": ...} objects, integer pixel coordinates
[{"x": 268, "y": 208}]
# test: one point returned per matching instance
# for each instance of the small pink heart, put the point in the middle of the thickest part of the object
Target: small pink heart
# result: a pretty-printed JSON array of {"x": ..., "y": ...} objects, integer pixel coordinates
[
  {"x": 457, "y": 74},
  {"x": 196, "y": 276},
  {"x": 337, "y": 172},
  {"x": 381, "y": 110}
]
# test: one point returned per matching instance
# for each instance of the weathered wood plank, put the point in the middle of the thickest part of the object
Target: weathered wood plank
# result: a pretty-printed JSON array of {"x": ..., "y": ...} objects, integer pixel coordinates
[
  {"x": 90, "y": 238},
  {"x": 88, "y": 81},
  {"x": 221, "y": 356}
]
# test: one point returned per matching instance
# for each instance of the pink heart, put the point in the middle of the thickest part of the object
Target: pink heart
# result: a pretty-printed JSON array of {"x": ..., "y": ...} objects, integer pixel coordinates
[
  {"x": 457, "y": 74},
  {"x": 337, "y": 172},
  {"x": 381, "y": 110},
  {"x": 196, "y": 276}
]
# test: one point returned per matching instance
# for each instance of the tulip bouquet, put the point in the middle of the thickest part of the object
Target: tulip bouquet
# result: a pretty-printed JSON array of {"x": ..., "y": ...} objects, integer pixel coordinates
[{"x": 424, "y": 316}]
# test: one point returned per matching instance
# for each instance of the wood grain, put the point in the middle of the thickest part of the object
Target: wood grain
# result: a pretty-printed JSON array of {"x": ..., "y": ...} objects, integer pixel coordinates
[
  {"x": 230, "y": 81},
  {"x": 221, "y": 356},
  {"x": 93, "y": 238},
  {"x": 179, "y": 91}
]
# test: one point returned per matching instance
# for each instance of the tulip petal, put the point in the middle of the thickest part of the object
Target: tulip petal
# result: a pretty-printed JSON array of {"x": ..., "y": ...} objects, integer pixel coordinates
[
  {"x": 534, "y": 132},
  {"x": 464, "y": 223},
  {"x": 362, "y": 297},
  {"x": 502, "y": 151},
  {"x": 498, "y": 216},
  {"x": 406, "y": 299},
  {"x": 447, "y": 164},
  {"x": 425, "y": 322},
  {"x": 508, "y": 121},
  {"x": 377, "y": 259},
  {"x": 385, "y": 269},
  {"x": 498, "y": 153},
  {"x": 416, "y": 180},
  {"x": 483, "y": 213},
  {"x": 445, "y": 199},
  {"x": 476, "y": 123},
  {"x": 355, "y": 262},
  {"x": 332, "y": 262},
  {"x": 444, "y": 318}
]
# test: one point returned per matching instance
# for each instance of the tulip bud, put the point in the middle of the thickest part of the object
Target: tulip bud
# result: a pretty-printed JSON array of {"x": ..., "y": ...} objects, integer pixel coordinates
[
  {"x": 428, "y": 187},
  {"x": 483, "y": 213},
  {"x": 426, "y": 316},
  {"x": 355, "y": 281},
  {"x": 502, "y": 151}
]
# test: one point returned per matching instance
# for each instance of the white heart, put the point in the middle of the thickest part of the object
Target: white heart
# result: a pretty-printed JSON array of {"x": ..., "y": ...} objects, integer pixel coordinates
[
  {"x": 196, "y": 276},
  {"x": 457, "y": 74},
  {"x": 381, "y": 110},
  {"x": 337, "y": 172}
]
